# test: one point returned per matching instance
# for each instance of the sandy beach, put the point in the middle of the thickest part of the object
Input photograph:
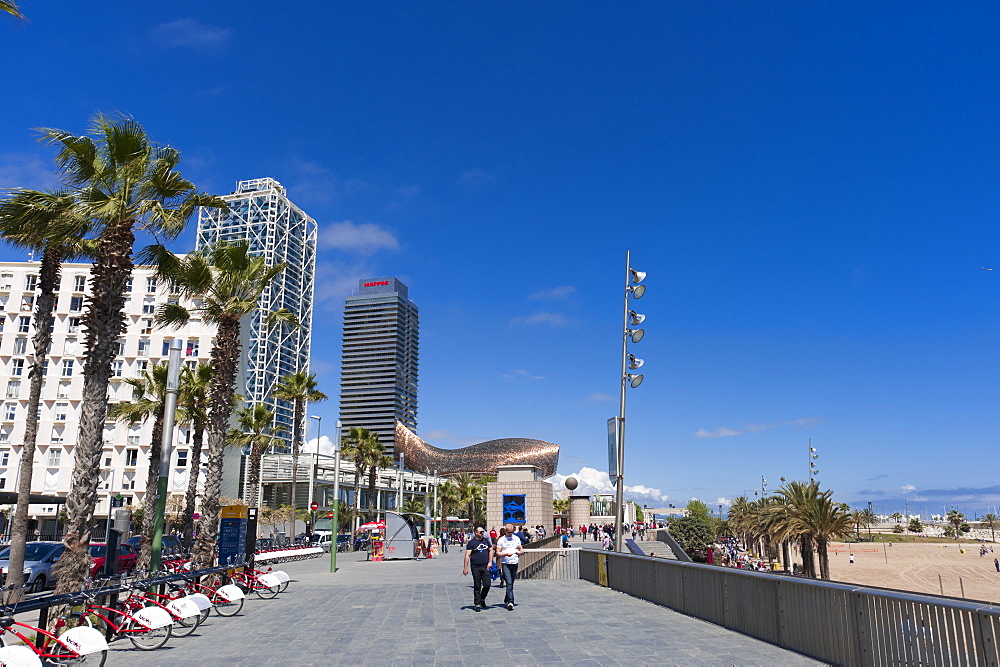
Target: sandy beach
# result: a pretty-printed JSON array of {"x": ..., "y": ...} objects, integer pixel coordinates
[{"x": 915, "y": 567}]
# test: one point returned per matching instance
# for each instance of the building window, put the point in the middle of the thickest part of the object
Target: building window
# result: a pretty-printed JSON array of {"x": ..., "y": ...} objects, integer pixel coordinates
[
  {"x": 147, "y": 327},
  {"x": 166, "y": 347},
  {"x": 148, "y": 307},
  {"x": 128, "y": 481},
  {"x": 54, "y": 456},
  {"x": 30, "y": 283},
  {"x": 191, "y": 364},
  {"x": 23, "y": 324},
  {"x": 150, "y": 284},
  {"x": 192, "y": 348},
  {"x": 133, "y": 435},
  {"x": 61, "y": 410},
  {"x": 74, "y": 325},
  {"x": 5, "y": 434},
  {"x": 75, "y": 304},
  {"x": 69, "y": 347},
  {"x": 128, "y": 285},
  {"x": 119, "y": 348},
  {"x": 45, "y": 368},
  {"x": 27, "y": 303},
  {"x": 20, "y": 345},
  {"x": 79, "y": 283},
  {"x": 10, "y": 411},
  {"x": 141, "y": 366},
  {"x": 6, "y": 282},
  {"x": 131, "y": 458},
  {"x": 107, "y": 461},
  {"x": 67, "y": 368},
  {"x": 144, "y": 348},
  {"x": 3, "y": 482},
  {"x": 118, "y": 369},
  {"x": 63, "y": 390},
  {"x": 17, "y": 367},
  {"x": 4, "y": 457},
  {"x": 13, "y": 388},
  {"x": 182, "y": 458}
]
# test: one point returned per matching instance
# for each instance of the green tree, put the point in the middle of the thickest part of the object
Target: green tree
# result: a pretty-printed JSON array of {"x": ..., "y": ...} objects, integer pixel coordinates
[
  {"x": 375, "y": 459},
  {"x": 697, "y": 508},
  {"x": 149, "y": 391},
  {"x": 10, "y": 7},
  {"x": 448, "y": 498},
  {"x": 299, "y": 389},
  {"x": 121, "y": 181},
  {"x": 227, "y": 281},
  {"x": 794, "y": 520},
  {"x": 991, "y": 521},
  {"x": 693, "y": 533},
  {"x": 956, "y": 519},
  {"x": 472, "y": 495},
  {"x": 192, "y": 399},
  {"x": 898, "y": 528},
  {"x": 255, "y": 432},
  {"x": 896, "y": 516},
  {"x": 355, "y": 447},
  {"x": 915, "y": 526},
  {"x": 45, "y": 223}
]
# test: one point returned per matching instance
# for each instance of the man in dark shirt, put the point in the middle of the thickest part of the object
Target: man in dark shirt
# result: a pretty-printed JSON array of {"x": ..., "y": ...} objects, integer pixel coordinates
[
  {"x": 521, "y": 535},
  {"x": 479, "y": 557}
]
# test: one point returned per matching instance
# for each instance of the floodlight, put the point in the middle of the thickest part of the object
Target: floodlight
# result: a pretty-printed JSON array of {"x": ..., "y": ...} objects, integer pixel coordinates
[
  {"x": 637, "y": 276},
  {"x": 636, "y": 334},
  {"x": 638, "y": 291},
  {"x": 637, "y": 318},
  {"x": 636, "y": 380},
  {"x": 634, "y": 362}
]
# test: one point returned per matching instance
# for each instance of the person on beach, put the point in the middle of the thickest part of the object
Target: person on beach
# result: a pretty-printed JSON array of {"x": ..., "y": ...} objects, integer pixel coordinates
[{"x": 852, "y": 559}]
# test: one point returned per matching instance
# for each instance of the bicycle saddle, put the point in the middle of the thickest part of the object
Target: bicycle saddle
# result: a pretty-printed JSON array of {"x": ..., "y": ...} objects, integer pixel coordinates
[{"x": 6, "y": 622}]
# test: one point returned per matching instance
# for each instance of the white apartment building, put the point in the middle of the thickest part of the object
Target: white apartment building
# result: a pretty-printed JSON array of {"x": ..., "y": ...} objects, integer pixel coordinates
[{"x": 126, "y": 448}]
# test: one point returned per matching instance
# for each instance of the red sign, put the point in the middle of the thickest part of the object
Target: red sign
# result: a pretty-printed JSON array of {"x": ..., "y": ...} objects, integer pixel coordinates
[
  {"x": 380, "y": 282},
  {"x": 329, "y": 515},
  {"x": 314, "y": 506},
  {"x": 196, "y": 516}
]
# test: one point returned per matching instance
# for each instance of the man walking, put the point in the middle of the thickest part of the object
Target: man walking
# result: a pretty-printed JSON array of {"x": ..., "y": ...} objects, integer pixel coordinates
[
  {"x": 509, "y": 548},
  {"x": 479, "y": 557}
]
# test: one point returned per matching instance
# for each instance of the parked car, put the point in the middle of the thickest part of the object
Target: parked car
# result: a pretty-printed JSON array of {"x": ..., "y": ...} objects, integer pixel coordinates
[
  {"x": 168, "y": 546},
  {"x": 127, "y": 558},
  {"x": 39, "y": 557}
]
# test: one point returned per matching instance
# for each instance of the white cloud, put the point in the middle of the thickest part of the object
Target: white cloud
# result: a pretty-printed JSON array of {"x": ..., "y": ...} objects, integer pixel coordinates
[
  {"x": 593, "y": 481},
  {"x": 325, "y": 446},
  {"x": 521, "y": 374},
  {"x": 601, "y": 398},
  {"x": 192, "y": 34},
  {"x": 23, "y": 170},
  {"x": 908, "y": 487},
  {"x": 725, "y": 431},
  {"x": 314, "y": 184},
  {"x": 722, "y": 501},
  {"x": 365, "y": 238},
  {"x": 476, "y": 178},
  {"x": 542, "y": 319},
  {"x": 553, "y": 294}
]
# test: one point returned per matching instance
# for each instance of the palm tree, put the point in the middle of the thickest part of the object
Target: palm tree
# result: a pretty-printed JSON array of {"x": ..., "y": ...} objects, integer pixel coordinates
[
  {"x": 193, "y": 410},
  {"x": 794, "y": 520},
  {"x": 827, "y": 521},
  {"x": 448, "y": 497},
  {"x": 354, "y": 447},
  {"x": 298, "y": 389},
  {"x": 991, "y": 521},
  {"x": 956, "y": 519},
  {"x": 149, "y": 392},
  {"x": 375, "y": 458},
  {"x": 896, "y": 517},
  {"x": 413, "y": 505},
  {"x": 228, "y": 281},
  {"x": 11, "y": 8},
  {"x": 122, "y": 181},
  {"x": 47, "y": 223},
  {"x": 470, "y": 491},
  {"x": 255, "y": 433}
]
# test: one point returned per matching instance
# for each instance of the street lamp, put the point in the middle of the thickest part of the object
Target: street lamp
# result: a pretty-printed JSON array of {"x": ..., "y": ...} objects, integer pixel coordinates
[
  {"x": 166, "y": 449},
  {"x": 312, "y": 477},
  {"x": 629, "y": 362},
  {"x": 813, "y": 470},
  {"x": 335, "y": 526}
]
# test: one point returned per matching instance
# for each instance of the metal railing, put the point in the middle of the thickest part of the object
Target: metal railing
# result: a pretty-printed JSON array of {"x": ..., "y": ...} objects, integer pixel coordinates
[
  {"x": 837, "y": 623},
  {"x": 549, "y": 564},
  {"x": 549, "y": 542}
]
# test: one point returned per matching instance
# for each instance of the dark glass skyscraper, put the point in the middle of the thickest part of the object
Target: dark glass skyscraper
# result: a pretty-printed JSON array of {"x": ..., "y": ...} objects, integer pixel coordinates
[{"x": 378, "y": 370}]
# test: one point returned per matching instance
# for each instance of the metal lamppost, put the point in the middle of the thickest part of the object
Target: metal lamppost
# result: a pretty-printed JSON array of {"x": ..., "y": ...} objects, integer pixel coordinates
[
  {"x": 632, "y": 318},
  {"x": 335, "y": 526},
  {"x": 315, "y": 470},
  {"x": 399, "y": 497},
  {"x": 166, "y": 449},
  {"x": 813, "y": 470},
  {"x": 435, "y": 512}
]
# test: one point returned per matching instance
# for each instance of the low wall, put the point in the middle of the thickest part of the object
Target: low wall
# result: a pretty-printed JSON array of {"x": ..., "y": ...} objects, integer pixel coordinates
[{"x": 836, "y": 623}]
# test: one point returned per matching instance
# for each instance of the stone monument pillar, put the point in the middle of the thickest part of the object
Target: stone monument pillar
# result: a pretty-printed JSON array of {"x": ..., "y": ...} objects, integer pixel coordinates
[
  {"x": 579, "y": 506},
  {"x": 519, "y": 496}
]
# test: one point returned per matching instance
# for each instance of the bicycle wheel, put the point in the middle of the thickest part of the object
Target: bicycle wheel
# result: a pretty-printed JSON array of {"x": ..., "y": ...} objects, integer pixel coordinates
[
  {"x": 148, "y": 640},
  {"x": 64, "y": 656},
  {"x": 185, "y": 626},
  {"x": 224, "y": 607},
  {"x": 267, "y": 592},
  {"x": 284, "y": 585}
]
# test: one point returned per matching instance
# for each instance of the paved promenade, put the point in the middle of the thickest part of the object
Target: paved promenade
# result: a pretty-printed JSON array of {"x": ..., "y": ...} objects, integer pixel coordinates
[{"x": 420, "y": 612}]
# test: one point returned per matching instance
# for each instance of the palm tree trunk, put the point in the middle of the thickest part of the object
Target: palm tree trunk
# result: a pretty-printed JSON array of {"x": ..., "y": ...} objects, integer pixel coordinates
[
  {"x": 824, "y": 558},
  {"x": 152, "y": 491},
  {"x": 372, "y": 474},
  {"x": 225, "y": 357},
  {"x": 253, "y": 476},
  {"x": 192, "y": 490},
  {"x": 48, "y": 278},
  {"x": 808, "y": 556},
  {"x": 104, "y": 321},
  {"x": 296, "y": 434}
]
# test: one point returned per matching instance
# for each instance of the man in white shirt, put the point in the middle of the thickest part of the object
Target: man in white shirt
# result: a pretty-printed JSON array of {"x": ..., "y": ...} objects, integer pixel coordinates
[{"x": 508, "y": 550}]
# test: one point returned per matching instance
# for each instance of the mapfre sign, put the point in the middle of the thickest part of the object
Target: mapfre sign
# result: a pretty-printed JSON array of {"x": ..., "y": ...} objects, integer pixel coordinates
[{"x": 380, "y": 282}]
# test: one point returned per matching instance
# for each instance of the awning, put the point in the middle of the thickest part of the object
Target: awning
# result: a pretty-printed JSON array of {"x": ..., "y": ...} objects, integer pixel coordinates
[{"x": 10, "y": 498}]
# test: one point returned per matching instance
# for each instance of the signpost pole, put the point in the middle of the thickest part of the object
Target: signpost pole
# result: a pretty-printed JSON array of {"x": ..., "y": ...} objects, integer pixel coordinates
[
  {"x": 335, "y": 524},
  {"x": 166, "y": 449}
]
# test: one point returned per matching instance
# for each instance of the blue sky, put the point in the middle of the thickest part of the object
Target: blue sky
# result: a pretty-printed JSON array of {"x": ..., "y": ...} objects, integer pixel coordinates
[{"x": 812, "y": 188}]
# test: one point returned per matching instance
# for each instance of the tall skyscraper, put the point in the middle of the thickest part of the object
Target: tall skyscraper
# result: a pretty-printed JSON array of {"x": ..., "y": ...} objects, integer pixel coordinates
[
  {"x": 379, "y": 355},
  {"x": 279, "y": 231}
]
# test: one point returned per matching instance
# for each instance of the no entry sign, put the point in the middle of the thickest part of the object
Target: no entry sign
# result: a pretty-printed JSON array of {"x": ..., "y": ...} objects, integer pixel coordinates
[{"x": 314, "y": 506}]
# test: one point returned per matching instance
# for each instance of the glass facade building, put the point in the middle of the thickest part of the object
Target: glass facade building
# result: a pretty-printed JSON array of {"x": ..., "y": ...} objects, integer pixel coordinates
[{"x": 379, "y": 359}]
